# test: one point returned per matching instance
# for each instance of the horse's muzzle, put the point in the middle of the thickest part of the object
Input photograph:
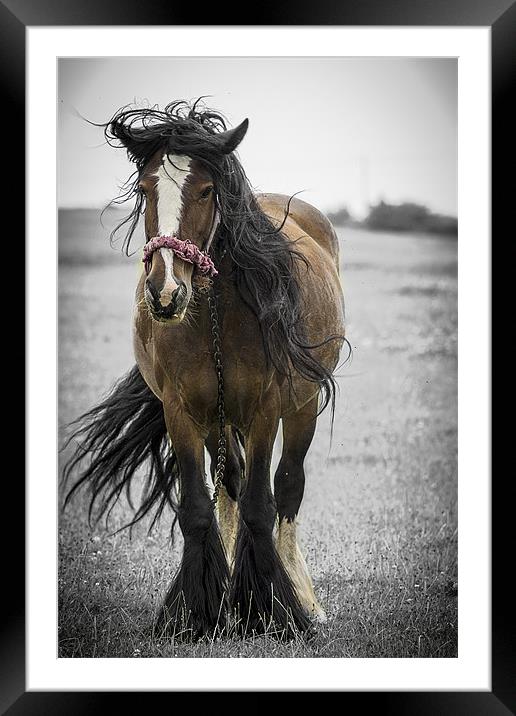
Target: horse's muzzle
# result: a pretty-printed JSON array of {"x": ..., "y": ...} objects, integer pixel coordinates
[{"x": 173, "y": 310}]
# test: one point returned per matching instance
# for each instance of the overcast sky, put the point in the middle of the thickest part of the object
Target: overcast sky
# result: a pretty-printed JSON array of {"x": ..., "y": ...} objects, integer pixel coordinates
[{"x": 346, "y": 131}]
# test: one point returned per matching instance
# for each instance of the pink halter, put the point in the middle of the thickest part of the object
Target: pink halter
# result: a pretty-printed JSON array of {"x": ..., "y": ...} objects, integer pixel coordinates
[{"x": 184, "y": 249}]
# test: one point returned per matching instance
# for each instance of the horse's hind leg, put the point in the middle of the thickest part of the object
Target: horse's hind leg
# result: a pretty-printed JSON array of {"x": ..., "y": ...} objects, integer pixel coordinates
[
  {"x": 262, "y": 594},
  {"x": 227, "y": 502},
  {"x": 289, "y": 485},
  {"x": 196, "y": 600}
]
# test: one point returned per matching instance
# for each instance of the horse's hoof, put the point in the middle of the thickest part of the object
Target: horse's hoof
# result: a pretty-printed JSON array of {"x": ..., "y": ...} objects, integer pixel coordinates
[{"x": 318, "y": 615}]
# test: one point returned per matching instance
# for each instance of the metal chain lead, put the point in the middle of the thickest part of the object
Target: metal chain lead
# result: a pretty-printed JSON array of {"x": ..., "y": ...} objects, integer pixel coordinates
[{"x": 221, "y": 413}]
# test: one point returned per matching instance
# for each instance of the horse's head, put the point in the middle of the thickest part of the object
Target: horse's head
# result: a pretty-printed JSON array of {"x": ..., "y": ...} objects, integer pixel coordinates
[{"x": 181, "y": 210}]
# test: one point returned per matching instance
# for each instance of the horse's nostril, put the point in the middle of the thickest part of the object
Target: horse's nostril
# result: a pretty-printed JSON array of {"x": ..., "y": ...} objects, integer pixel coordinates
[
  {"x": 178, "y": 295},
  {"x": 174, "y": 305},
  {"x": 152, "y": 290}
]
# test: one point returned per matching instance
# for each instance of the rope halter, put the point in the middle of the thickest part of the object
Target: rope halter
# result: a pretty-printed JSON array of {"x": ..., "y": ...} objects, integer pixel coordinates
[{"x": 186, "y": 250}]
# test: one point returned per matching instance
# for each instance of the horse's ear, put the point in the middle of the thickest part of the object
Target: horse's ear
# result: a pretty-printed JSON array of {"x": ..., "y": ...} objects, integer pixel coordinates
[{"x": 230, "y": 139}]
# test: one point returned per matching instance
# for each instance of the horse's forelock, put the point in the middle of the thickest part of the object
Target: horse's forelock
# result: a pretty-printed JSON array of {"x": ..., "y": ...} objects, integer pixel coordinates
[{"x": 178, "y": 129}]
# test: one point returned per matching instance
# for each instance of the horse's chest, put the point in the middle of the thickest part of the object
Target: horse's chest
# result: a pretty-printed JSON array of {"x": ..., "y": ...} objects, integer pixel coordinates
[{"x": 190, "y": 374}]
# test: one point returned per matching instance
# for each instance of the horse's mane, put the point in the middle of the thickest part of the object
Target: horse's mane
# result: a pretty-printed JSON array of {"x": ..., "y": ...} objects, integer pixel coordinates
[{"x": 264, "y": 260}]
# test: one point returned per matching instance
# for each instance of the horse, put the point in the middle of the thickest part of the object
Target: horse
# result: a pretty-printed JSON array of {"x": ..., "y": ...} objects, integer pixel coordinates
[{"x": 238, "y": 327}]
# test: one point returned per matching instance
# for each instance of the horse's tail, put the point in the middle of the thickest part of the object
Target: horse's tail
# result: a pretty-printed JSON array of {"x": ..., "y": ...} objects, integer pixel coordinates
[{"x": 118, "y": 436}]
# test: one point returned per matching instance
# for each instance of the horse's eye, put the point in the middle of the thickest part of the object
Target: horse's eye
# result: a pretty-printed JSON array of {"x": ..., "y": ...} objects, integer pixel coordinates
[{"x": 206, "y": 192}]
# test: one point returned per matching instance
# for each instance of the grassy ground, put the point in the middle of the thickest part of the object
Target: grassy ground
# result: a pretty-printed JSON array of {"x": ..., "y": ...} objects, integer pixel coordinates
[{"x": 379, "y": 518}]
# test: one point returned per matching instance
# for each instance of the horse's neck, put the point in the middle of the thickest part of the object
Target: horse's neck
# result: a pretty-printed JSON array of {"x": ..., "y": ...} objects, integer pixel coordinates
[{"x": 225, "y": 293}]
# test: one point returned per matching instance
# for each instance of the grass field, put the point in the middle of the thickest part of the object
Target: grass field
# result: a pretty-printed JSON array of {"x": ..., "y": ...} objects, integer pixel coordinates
[{"x": 379, "y": 517}]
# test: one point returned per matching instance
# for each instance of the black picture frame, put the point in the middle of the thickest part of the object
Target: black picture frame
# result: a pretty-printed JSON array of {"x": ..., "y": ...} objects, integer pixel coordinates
[{"x": 15, "y": 17}]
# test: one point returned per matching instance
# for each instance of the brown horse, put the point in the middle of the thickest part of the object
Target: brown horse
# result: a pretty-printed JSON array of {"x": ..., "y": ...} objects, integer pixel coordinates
[{"x": 238, "y": 325}]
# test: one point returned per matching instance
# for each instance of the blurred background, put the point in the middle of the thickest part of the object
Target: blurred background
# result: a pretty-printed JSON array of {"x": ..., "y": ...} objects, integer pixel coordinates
[{"x": 373, "y": 143}]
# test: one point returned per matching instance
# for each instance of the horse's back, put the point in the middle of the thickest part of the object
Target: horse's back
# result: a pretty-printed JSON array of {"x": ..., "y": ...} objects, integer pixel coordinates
[{"x": 307, "y": 217}]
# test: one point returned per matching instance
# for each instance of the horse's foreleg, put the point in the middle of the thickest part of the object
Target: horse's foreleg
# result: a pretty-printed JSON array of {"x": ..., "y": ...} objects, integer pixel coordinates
[
  {"x": 262, "y": 593},
  {"x": 227, "y": 503},
  {"x": 289, "y": 485},
  {"x": 196, "y": 600}
]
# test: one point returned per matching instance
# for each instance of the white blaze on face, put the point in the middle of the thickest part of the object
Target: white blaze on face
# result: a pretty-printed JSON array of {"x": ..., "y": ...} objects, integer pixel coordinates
[{"x": 172, "y": 175}]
